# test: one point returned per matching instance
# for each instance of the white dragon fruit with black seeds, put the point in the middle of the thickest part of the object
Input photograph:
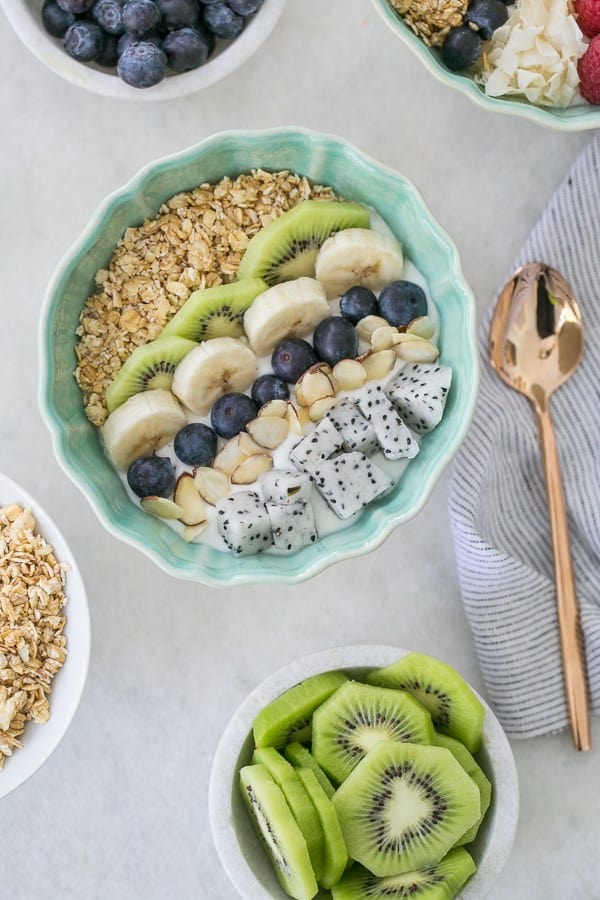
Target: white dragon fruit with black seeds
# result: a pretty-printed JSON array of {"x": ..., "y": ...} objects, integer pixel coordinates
[
  {"x": 356, "y": 432},
  {"x": 419, "y": 393},
  {"x": 317, "y": 446},
  {"x": 393, "y": 436},
  {"x": 285, "y": 486},
  {"x": 349, "y": 482},
  {"x": 244, "y": 524},
  {"x": 293, "y": 525}
]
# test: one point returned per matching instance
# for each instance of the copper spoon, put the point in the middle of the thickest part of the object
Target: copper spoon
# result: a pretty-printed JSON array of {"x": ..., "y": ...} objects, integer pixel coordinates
[{"x": 536, "y": 343}]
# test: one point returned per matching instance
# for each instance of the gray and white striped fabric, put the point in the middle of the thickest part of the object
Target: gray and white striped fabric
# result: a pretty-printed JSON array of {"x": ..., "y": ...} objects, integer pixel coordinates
[{"x": 498, "y": 500}]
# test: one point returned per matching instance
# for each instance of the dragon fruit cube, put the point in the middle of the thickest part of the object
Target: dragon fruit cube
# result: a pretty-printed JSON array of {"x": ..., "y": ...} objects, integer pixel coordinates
[
  {"x": 293, "y": 525},
  {"x": 284, "y": 486},
  {"x": 349, "y": 482},
  {"x": 243, "y": 523},
  {"x": 356, "y": 432},
  {"x": 419, "y": 393},
  {"x": 393, "y": 436},
  {"x": 320, "y": 444}
]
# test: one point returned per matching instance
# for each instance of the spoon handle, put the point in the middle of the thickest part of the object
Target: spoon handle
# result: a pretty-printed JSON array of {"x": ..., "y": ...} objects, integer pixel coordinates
[{"x": 568, "y": 610}]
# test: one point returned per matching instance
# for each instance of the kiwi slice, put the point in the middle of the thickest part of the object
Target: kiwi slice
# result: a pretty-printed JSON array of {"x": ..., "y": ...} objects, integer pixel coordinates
[
  {"x": 287, "y": 248},
  {"x": 279, "y": 832},
  {"x": 286, "y": 778},
  {"x": 289, "y": 717},
  {"x": 149, "y": 367},
  {"x": 462, "y": 755},
  {"x": 300, "y": 757},
  {"x": 215, "y": 312},
  {"x": 357, "y": 717},
  {"x": 440, "y": 882},
  {"x": 454, "y": 708},
  {"x": 405, "y": 806},
  {"x": 336, "y": 855}
]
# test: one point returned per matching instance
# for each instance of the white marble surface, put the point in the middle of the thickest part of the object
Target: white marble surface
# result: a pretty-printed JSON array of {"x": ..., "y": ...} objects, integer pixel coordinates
[{"x": 119, "y": 811}]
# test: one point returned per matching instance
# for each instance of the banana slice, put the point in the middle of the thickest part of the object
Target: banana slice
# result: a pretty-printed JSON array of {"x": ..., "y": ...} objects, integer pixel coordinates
[
  {"x": 216, "y": 367},
  {"x": 358, "y": 256},
  {"x": 290, "y": 309},
  {"x": 141, "y": 425}
]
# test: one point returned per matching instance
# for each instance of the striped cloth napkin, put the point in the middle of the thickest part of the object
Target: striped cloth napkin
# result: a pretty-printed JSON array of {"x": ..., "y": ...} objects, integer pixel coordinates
[{"x": 498, "y": 499}]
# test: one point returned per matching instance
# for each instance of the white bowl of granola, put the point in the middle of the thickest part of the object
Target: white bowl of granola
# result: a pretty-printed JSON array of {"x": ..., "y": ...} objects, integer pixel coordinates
[{"x": 42, "y": 669}]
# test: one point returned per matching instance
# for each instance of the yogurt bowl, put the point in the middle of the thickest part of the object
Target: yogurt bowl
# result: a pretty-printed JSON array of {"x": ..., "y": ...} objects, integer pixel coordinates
[{"x": 353, "y": 176}]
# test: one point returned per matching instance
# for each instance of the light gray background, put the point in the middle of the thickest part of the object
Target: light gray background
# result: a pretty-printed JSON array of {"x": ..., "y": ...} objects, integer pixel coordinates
[{"x": 119, "y": 811}]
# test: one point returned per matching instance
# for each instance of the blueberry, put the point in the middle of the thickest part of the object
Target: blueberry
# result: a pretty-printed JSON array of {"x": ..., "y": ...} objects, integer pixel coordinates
[
  {"x": 140, "y": 16},
  {"x": 487, "y": 16},
  {"x": 56, "y": 20},
  {"x": 222, "y": 20},
  {"x": 291, "y": 358},
  {"x": 109, "y": 55},
  {"x": 76, "y": 6},
  {"x": 269, "y": 387},
  {"x": 142, "y": 64},
  {"x": 126, "y": 39},
  {"x": 244, "y": 7},
  {"x": 402, "y": 301},
  {"x": 151, "y": 476},
  {"x": 357, "y": 303},
  {"x": 186, "y": 48},
  {"x": 179, "y": 13},
  {"x": 108, "y": 15},
  {"x": 84, "y": 40},
  {"x": 335, "y": 339},
  {"x": 231, "y": 413},
  {"x": 462, "y": 48},
  {"x": 196, "y": 444}
]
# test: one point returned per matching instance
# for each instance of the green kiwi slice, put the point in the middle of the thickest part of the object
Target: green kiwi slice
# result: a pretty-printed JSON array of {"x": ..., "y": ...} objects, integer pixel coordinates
[
  {"x": 289, "y": 717},
  {"x": 149, "y": 367},
  {"x": 405, "y": 806},
  {"x": 454, "y": 708},
  {"x": 286, "y": 778},
  {"x": 279, "y": 832},
  {"x": 357, "y": 717},
  {"x": 440, "y": 882},
  {"x": 460, "y": 752},
  {"x": 300, "y": 757},
  {"x": 336, "y": 855},
  {"x": 287, "y": 248},
  {"x": 216, "y": 311}
]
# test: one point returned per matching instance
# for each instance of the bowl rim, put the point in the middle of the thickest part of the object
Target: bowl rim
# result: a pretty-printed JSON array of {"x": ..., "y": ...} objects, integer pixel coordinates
[
  {"x": 77, "y": 663},
  {"x": 107, "y": 84},
  {"x": 58, "y": 435},
  {"x": 221, "y": 783},
  {"x": 586, "y": 119}
]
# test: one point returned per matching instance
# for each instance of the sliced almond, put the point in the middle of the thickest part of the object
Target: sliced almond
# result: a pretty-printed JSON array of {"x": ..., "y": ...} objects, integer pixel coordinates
[
  {"x": 192, "y": 531},
  {"x": 368, "y": 325},
  {"x": 300, "y": 399},
  {"x": 161, "y": 507},
  {"x": 230, "y": 456},
  {"x": 349, "y": 374},
  {"x": 248, "y": 446},
  {"x": 418, "y": 351},
  {"x": 320, "y": 407},
  {"x": 316, "y": 385},
  {"x": 422, "y": 326},
  {"x": 268, "y": 431},
  {"x": 294, "y": 424},
  {"x": 212, "y": 484},
  {"x": 303, "y": 418},
  {"x": 274, "y": 408},
  {"x": 401, "y": 336},
  {"x": 187, "y": 496},
  {"x": 383, "y": 338},
  {"x": 380, "y": 364},
  {"x": 251, "y": 470}
]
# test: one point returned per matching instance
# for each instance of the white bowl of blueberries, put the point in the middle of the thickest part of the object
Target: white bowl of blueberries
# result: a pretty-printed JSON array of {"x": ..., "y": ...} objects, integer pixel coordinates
[{"x": 143, "y": 49}]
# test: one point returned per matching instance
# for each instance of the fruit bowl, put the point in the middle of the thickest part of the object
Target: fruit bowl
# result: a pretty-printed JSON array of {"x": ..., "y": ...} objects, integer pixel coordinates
[
  {"x": 326, "y": 160},
  {"x": 238, "y": 847},
  {"x": 26, "y": 20},
  {"x": 40, "y": 741},
  {"x": 574, "y": 118}
]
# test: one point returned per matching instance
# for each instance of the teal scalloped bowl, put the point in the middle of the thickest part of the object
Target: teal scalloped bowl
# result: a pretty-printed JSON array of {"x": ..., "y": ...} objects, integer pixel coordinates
[
  {"x": 580, "y": 117},
  {"x": 352, "y": 174}
]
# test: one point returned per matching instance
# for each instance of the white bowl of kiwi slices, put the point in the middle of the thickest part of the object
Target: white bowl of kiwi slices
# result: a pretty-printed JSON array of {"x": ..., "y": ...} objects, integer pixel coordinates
[{"x": 364, "y": 772}]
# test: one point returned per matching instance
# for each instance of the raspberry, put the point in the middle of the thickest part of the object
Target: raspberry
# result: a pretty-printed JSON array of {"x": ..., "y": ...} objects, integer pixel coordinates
[
  {"x": 589, "y": 72},
  {"x": 588, "y": 17}
]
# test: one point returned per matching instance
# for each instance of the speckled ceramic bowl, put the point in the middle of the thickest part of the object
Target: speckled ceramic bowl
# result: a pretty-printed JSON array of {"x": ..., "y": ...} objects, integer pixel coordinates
[
  {"x": 25, "y": 18},
  {"x": 353, "y": 175},
  {"x": 239, "y": 849},
  {"x": 579, "y": 117}
]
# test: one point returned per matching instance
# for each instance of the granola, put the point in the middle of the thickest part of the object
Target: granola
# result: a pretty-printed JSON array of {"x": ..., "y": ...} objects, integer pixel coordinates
[
  {"x": 196, "y": 240},
  {"x": 32, "y": 643},
  {"x": 431, "y": 20}
]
